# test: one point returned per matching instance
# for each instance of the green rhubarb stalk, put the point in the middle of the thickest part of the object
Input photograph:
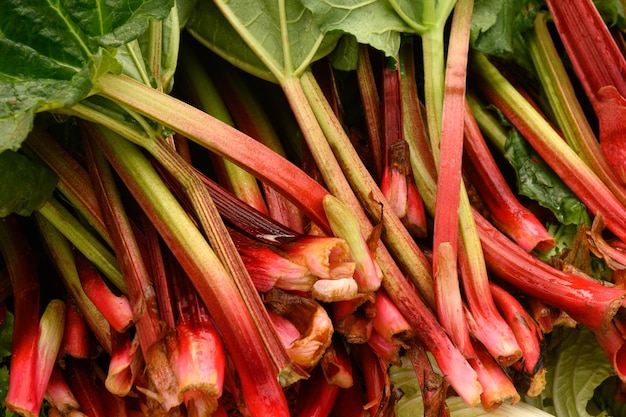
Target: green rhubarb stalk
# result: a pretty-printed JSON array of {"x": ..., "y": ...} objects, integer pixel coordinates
[
  {"x": 200, "y": 91},
  {"x": 62, "y": 256},
  {"x": 250, "y": 118},
  {"x": 566, "y": 107},
  {"x": 211, "y": 223},
  {"x": 397, "y": 239},
  {"x": 214, "y": 285},
  {"x": 74, "y": 181},
  {"x": 88, "y": 244},
  {"x": 550, "y": 146},
  {"x": 209, "y": 132}
]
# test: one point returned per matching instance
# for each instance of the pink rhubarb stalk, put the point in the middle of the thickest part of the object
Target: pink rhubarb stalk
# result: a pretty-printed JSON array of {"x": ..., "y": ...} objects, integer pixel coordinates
[
  {"x": 50, "y": 336},
  {"x": 389, "y": 321},
  {"x": 59, "y": 395},
  {"x": 448, "y": 153},
  {"x": 125, "y": 364}
]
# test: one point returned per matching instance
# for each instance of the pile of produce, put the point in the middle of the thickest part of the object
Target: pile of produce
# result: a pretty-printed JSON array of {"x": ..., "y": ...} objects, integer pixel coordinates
[{"x": 305, "y": 208}]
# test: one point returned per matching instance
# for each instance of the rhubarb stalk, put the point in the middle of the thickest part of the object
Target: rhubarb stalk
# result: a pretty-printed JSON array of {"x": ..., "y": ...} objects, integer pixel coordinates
[
  {"x": 600, "y": 66},
  {"x": 549, "y": 144},
  {"x": 23, "y": 386},
  {"x": 196, "y": 257}
]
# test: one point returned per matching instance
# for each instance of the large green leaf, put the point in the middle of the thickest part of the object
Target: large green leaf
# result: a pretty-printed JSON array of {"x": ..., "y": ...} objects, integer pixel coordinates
[
  {"x": 25, "y": 185},
  {"x": 263, "y": 36},
  {"x": 574, "y": 370},
  {"x": 372, "y": 22},
  {"x": 53, "y": 52}
]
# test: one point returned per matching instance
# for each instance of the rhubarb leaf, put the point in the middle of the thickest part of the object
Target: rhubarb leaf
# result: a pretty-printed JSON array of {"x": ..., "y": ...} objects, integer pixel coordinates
[
  {"x": 25, "y": 185},
  {"x": 411, "y": 404},
  {"x": 57, "y": 52},
  {"x": 612, "y": 12},
  {"x": 498, "y": 26},
  {"x": 210, "y": 27},
  {"x": 575, "y": 368},
  {"x": 284, "y": 37},
  {"x": 536, "y": 180},
  {"x": 374, "y": 23}
]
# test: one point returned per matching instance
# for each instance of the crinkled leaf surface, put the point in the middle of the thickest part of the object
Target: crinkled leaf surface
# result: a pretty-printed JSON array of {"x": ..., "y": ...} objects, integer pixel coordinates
[
  {"x": 370, "y": 22},
  {"x": 281, "y": 34},
  {"x": 536, "y": 180},
  {"x": 574, "y": 370},
  {"x": 25, "y": 185},
  {"x": 53, "y": 52},
  {"x": 497, "y": 26}
]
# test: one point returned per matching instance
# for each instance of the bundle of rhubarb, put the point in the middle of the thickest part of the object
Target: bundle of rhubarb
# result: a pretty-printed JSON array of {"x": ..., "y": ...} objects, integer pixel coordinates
[{"x": 275, "y": 208}]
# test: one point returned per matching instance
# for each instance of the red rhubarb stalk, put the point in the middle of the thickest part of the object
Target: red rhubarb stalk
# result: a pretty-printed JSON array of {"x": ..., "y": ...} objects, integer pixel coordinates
[
  {"x": 316, "y": 396},
  {"x": 600, "y": 66},
  {"x": 550, "y": 146},
  {"x": 22, "y": 394},
  {"x": 498, "y": 388},
  {"x": 612, "y": 342},
  {"x": 585, "y": 300},
  {"x": 337, "y": 365},
  {"x": 115, "y": 308},
  {"x": 76, "y": 336},
  {"x": 507, "y": 213},
  {"x": 371, "y": 107},
  {"x": 397, "y": 183},
  {"x": 200, "y": 357},
  {"x": 526, "y": 330},
  {"x": 565, "y": 105},
  {"x": 262, "y": 392},
  {"x": 87, "y": 389}
]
